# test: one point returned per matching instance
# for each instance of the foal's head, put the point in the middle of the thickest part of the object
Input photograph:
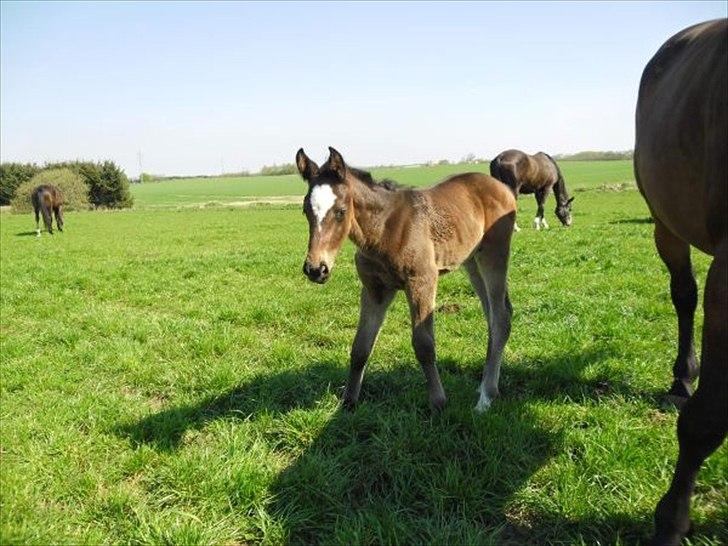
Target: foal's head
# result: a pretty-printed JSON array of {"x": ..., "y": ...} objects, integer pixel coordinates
[
  {"x": 563, "y": 211},
  {"x": 328, "y": 206}
]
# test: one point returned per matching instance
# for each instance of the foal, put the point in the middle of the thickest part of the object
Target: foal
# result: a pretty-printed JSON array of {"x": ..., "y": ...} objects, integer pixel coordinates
[
  {"x": 537, "y": 174},
  {"x": 47, "y": 199},
  {"x": 406, "y": 238}
]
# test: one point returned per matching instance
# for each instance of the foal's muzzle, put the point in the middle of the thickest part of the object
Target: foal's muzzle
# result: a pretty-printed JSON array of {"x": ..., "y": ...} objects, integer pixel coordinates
[{"x": 318, "y": 274}]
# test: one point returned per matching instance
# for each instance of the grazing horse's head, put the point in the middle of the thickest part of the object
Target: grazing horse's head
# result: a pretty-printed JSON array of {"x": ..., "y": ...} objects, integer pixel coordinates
[
  {"x": 328, "y": 206},
  {"x": 563, "y": 211}
]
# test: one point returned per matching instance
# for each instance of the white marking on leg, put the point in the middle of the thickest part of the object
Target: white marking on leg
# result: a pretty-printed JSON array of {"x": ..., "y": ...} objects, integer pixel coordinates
[
  {"x": 484, "y": 401},
  {"x": 37, "y": 232},
  {"x": 322, "y": 199},
  {"x": 516, "y": 228},
  {"x": 544, "y": 224},
  {"x": 537, "y": 222}
]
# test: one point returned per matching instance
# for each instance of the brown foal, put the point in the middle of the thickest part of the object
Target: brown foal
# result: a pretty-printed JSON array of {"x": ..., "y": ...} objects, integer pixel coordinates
[{"x": 406, "y": 238}]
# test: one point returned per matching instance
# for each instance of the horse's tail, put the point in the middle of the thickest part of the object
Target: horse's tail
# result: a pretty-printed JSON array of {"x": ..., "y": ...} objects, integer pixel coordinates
[
  {"x": 42, "y": 199},
  {"x": 504, "y": 173}
]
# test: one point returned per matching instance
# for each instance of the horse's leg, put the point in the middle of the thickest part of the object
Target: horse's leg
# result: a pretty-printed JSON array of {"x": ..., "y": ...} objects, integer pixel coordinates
[
  {"x": 37, "y": 220},
  {"x": 540, "y": 195},
  {"x": 374, "y": 304},
  {"x": 421, "y": 298},
  {"x": 492, "y": 262},
  {"x": 703, "y": 422},
  {"x": 59, "y": 217},
  {"x": 676, "y": 254}
]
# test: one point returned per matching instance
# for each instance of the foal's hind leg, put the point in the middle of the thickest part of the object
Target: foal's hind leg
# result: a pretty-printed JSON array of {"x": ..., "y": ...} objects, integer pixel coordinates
[
  {"x": 421, "y": 298},
  {"x": 676, "y": 254},
  {"x": 492, "y": 262},
  {"x": 703, "y": 422},
  {"x": 374, "y": 304}
]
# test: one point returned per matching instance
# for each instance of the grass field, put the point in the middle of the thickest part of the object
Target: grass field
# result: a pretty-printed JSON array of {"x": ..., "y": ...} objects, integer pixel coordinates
[
  {"x": 204, "y": 191},
  {"x": 169, "y": 376}
]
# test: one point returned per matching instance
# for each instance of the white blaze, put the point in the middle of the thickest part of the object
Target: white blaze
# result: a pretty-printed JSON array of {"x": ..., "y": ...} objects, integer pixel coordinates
[{"x": 322, "y": 199}]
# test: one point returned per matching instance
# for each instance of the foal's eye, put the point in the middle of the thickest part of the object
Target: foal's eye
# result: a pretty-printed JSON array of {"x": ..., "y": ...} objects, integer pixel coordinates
[{"x": 339, "y": 214}]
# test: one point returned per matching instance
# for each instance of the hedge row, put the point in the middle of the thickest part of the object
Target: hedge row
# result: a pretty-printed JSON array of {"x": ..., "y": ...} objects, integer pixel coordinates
[{"x": 107, "y": 184}]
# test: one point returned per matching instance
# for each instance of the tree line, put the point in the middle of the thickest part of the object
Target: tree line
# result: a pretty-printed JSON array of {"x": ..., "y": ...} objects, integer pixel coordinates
[{"x": 106, "y": 183}]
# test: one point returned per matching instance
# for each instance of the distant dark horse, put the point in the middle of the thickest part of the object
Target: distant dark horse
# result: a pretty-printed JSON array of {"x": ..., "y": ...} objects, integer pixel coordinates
[
  {"x": 47, "y": 200},
  {"x": 536, "y": 174},
  {"x": 681, "y": 168}
]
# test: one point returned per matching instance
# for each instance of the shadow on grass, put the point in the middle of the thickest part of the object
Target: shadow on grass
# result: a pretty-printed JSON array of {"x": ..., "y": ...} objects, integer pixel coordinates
[
  {"x": 393, "y": 472},
  {"x": 27, "y": 234},
  {"x": 647, "y": 220}
]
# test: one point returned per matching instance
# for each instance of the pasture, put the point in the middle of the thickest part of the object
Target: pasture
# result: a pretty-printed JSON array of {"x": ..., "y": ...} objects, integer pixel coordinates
[{"x": 168, "y": 375}]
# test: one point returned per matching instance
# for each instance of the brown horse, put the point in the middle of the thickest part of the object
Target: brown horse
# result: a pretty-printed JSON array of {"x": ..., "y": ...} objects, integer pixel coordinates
[
  {"x": 537, "y": 174},
  {"x": 47, "y": 199},
  {"x": 406, "y": 238},
  {"x": 680, "y": 159}
]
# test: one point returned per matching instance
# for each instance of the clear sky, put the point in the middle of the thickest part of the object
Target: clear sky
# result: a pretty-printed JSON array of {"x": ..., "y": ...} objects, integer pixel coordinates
[{"x": 198, "y": 87}]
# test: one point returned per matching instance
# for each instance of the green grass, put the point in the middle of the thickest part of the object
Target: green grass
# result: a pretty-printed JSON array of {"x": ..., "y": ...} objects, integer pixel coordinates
[
  {"x": 202, "y": 191},
  {"x": 169, "y": 376}
]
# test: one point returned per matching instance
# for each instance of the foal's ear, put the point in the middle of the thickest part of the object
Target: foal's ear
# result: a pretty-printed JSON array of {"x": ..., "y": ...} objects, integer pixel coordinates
[
  {"x": 306, "y": 167},
  {"x": 569, "y": 200},
  {"x": 336, "y": 163}
]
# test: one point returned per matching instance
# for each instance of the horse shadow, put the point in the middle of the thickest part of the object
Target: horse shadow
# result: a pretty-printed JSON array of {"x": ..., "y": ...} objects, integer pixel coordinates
[
  {"x": 647, "y": 220},
  {"x": 27, "y": 234},
  {"x": 391, "y": 471}
]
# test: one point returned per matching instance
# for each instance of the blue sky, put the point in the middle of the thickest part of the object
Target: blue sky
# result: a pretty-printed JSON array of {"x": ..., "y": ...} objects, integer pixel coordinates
[{"x": 197, "y": 87}]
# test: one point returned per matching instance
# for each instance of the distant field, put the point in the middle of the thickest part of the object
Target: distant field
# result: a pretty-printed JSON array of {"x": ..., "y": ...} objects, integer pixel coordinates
[
  {"x": 170, "y": 377},
  {"x": 202, "y": 191}
]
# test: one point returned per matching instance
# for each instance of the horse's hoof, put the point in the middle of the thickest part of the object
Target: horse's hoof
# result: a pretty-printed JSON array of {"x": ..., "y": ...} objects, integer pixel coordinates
[
  {"x": 348, "y": 404},
  {"x": 483, "y": 404},
  {"x": 438, "y": 403},
  {"x": 675, "y": 400}
]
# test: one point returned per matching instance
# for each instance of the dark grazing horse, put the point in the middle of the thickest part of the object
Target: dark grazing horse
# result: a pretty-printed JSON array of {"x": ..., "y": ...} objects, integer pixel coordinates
[
  {"x": 537, "y": 174},
  {"x": 406, "y": 239},
  {"x": 47, "y": 200},
  {"x": 681, "y": 168}
]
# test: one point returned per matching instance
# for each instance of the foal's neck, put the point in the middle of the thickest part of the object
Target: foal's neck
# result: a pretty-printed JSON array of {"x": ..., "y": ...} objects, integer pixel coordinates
[{"x": 371, "y": 208}]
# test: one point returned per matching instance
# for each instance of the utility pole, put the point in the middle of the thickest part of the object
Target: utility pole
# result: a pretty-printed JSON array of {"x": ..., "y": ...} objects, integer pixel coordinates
[{"x": 139, "y": 159}]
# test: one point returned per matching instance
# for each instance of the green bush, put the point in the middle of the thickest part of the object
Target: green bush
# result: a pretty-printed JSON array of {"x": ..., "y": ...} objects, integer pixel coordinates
[
  {"x": 108, "y": 186},
  {"x": 13, "y": 175},
  {"x": 71, "y": 184}
]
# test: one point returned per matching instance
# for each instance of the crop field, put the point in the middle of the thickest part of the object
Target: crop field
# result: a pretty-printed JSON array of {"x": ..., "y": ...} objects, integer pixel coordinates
[
  {"x": 198, "y": 192},
  {"x": 168, "y": 375}
]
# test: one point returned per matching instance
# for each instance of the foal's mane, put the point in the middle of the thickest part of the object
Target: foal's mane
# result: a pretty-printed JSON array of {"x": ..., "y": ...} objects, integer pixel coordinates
[{"x": 368, "y": 179}]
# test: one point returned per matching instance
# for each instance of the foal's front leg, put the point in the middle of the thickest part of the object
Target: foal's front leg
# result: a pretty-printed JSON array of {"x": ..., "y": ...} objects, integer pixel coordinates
[
  {"x": 421, "y": 297},
  {"x": 374, "y": 304}
]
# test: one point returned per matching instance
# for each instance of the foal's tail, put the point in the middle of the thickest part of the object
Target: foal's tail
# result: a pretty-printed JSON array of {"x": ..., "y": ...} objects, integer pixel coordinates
[{"x": 504, "y": 173}]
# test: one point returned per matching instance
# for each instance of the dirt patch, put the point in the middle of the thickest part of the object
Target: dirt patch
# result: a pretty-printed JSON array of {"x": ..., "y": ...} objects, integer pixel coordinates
[{"x": 449, "y": 308}]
